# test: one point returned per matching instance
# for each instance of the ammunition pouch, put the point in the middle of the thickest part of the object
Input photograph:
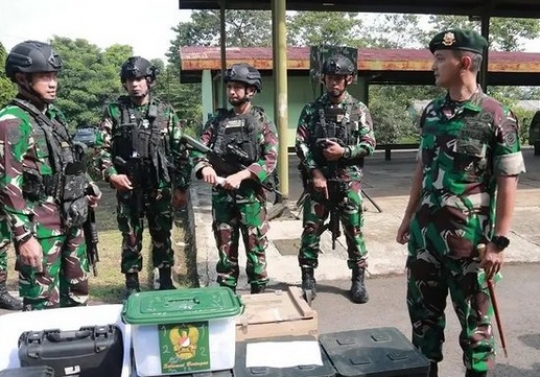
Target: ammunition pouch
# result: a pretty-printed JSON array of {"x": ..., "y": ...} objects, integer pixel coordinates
[
  {"x": 73, "y": 201},
  {"x": 34, "y": 187},
  {"x": 67, "y": 189}
]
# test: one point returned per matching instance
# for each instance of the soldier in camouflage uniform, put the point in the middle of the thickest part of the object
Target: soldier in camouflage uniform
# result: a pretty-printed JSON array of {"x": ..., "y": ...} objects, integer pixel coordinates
[
  {"x": 7, "y": 301},
  {"x": 139, "y": 152},
  {"x": 238, "y": 203},
  {"x": 43, "y": 187},
  {"x": 469, "y": 148},
  {"x": 333, "y": 170}
]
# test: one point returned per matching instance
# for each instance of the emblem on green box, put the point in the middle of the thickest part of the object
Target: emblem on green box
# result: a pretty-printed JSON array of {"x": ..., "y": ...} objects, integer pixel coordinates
[{"x": 184, "y": 347}]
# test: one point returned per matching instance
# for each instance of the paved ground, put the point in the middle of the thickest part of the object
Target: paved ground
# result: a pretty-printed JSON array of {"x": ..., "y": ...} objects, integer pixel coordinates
[
  {"x": 387, "y": 182},
  {"x": 517, "y": 296}
]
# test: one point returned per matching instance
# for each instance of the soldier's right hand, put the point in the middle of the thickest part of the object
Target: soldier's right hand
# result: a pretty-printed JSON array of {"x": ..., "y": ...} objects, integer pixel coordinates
[
  {"x": 403, "y": 233},
  {"x": 209, "y": 175},
  {"x": 121, "y": 182},
  {"x": 319, "y": 183},
  {"x": 31, "y": 254}
]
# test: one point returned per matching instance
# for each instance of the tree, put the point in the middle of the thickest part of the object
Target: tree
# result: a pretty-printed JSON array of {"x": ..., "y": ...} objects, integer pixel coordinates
[
  {"x": 7, "y": 88},
  {"x": 392, "y": 123},
  {"x": 506, "y": 34},
  {"x": 394, "y": 31},
  {"x": 244, "y": 28},
  {"x": 185, "y": 98},
  {"x": 325, "y": 28},
  {"x": 89, "y": 79}
]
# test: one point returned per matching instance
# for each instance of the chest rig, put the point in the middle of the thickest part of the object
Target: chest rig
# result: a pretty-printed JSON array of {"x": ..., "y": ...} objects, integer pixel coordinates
[
  {"x": 67, "y": 180},
  {"x": 336, "y": 124},
  {"x": 235, "y": 139},
  {"x": 140, "y": 144}
]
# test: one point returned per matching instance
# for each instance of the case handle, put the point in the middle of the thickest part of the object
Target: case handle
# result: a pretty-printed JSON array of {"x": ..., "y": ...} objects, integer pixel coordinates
[{"x": 68, "y": 335}]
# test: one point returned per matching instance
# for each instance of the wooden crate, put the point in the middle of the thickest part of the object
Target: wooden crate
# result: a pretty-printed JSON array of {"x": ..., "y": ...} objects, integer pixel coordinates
[{"x": 276, "y": 314}]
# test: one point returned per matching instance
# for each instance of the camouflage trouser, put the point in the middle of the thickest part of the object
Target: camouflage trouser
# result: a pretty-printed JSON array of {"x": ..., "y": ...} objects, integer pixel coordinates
[
  {"x": 64, "y": 280},
  {"x": 232, "y": 214},
  {"x": 316, "y": 211},
  {"x": 130, "y": 223},
  {"x": 431, "y": 275},
  {"x": 5, "y": 240}
]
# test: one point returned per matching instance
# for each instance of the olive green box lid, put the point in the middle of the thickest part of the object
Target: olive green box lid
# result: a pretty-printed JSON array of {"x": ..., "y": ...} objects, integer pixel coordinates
[{"x": 181, "y": 306}]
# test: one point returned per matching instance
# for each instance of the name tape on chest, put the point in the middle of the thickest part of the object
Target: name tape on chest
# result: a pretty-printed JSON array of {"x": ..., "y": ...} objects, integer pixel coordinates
[{"x": 235, "y": 123}]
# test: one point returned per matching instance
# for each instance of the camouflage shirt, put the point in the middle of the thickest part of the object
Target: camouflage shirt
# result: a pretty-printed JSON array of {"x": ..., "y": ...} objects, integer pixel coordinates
[
  {"x": 266, "y": 138},
  {"x": 171, "y": 129},
  {"x": 464, "y": 147},
  {"x": 362, "y": 133},
  {"x": 21, "y": 150}
]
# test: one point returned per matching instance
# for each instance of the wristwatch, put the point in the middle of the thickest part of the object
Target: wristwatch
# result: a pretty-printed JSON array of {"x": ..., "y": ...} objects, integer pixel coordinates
[
  {"x": 25, "y": 238},
  {"x": 347, "y": 153},
  {"x": 500, "y": 242}
]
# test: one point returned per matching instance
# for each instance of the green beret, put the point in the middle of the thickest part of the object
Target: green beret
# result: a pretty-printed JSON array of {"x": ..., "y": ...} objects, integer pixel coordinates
[{"x": 458, "y": 39}]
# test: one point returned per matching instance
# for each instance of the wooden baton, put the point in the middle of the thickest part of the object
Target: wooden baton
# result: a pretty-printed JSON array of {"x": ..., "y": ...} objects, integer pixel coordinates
[{"x": 491, "y": 288}]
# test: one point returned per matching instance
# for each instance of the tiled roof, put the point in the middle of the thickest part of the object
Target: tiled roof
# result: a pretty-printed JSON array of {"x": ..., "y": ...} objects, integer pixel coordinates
[{"x": 196, "y": 58}]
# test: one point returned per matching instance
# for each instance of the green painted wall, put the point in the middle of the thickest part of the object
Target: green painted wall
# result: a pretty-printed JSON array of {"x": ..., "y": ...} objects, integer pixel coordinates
[{"x": 300, "y": 92}]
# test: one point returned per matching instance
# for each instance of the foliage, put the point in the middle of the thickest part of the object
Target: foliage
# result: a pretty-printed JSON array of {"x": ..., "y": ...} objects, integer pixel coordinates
[
  {"x": 324, "y": 28},
  {"x": 7, "y": 88},
  {"x": 90, "y": 78},
  {"x": 392, "y": 123},
  {"x": 506, "y": 34}
]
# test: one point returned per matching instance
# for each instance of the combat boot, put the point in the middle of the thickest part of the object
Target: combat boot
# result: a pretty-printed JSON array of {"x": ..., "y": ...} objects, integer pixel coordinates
[
  {"x": 165, "y": 280},
  {"x": 359, "y": 293},
  {"x": 132, "y": 284},
  {"x": 309, "y": 285},
  {"x": 7, "y": 301},
  {"x": 257, "y": 288},
  {"x": 433, "y": 369},
  {"x": 472, "y": 373}
]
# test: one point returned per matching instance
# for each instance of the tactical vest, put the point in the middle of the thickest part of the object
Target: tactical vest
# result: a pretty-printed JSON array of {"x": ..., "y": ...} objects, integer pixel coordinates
[
  {"x": 68, "y": 181},
  {"x": 338, "y": 124},
  {"x": 139, "y": 139},
  {"x": 235, "y": 137}
]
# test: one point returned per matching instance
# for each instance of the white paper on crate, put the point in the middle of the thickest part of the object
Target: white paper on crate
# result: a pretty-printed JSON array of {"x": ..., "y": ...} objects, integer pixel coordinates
[{"x": 283, "y": 354}]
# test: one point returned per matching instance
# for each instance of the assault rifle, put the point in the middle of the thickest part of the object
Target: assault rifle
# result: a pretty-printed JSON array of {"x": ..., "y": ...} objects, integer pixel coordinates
[
  {"x": 220, "y": 164},
  {"x": 91, "y": 236},
  {"x": 134, "y": 170},
  {"x": 305, "y": 179}
]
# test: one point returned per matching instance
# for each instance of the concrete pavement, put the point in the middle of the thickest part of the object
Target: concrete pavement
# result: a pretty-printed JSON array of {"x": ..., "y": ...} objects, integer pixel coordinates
[
  {"x": 387, "y": 182},
  {"x": 517, "y": 299}
]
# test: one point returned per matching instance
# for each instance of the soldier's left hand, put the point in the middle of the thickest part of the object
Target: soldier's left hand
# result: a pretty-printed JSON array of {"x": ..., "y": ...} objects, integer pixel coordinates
[
  {"x": 232, "y": 182},
  {"x": 93, "y": 200},
  {"x": 333, "y": 151},
  {"x": 179, "y": 199},
  {"x": 492, "y": 261}
]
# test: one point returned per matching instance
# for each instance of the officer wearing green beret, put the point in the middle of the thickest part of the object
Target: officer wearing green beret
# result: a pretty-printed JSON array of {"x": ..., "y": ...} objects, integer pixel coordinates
[{"x": 462, "y": 197}]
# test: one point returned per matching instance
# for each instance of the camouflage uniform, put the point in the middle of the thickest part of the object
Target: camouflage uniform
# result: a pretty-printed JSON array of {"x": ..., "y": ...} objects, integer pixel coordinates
[
  {"x": 43, "y": 188},
  {"x": 247, "y": 140},
  {"x": 243, "y": 209},
  {"x": 464, "y": 147},
  {"x": 161, "y": 166},
  {"x": 343, "y": 177},
  {"x": 6, "y": 300},
  {"x": 64, "y": 280}
]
